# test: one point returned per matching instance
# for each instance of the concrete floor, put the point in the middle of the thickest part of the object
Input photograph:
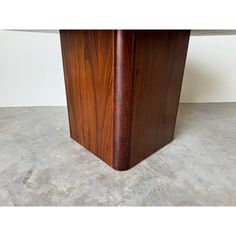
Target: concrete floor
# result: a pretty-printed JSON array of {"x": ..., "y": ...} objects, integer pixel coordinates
[{"x": 41, "y": 165}]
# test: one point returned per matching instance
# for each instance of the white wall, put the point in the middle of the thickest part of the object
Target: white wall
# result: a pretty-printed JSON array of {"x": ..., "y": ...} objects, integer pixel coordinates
[
  {"x": 31, "y": 69},
  {"x": 210, "y": 72}
]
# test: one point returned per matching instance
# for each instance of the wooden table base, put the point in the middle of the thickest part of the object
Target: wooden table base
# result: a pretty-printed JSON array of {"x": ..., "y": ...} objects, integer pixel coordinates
[{"x": 123, "y": 89}]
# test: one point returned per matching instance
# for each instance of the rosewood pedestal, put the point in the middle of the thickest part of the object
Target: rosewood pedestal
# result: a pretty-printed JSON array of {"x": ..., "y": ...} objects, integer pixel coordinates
[{"x": 123, "y": 89}]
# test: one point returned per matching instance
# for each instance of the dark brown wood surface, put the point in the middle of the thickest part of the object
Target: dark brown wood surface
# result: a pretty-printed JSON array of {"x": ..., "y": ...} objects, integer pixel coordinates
[
  {"x": 123, "y": 89},
  {"x": 123, "y": 95},
  {"x": 158, "y": 73},
  {"x": 88, "y": 69}
]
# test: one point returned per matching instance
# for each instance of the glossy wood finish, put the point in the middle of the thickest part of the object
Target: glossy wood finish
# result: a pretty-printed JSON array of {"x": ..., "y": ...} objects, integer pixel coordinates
[
  {"x": 88, "y": 69},
  {"x": 159, "y": 66},
  {"x": 123, "y": 89},
  {"x": 123, "y": 97}
]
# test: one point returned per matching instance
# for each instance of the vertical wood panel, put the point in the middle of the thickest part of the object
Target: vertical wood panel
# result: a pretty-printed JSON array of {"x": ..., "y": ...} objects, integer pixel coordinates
[
  {"x": 159, "y": 66},
  {"x": 88, "y": 70}
]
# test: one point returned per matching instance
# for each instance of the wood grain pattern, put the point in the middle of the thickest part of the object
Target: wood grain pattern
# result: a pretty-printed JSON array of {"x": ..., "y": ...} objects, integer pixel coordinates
[
  {"x": 123, "y": 89},
  {"x": 159, "y": 66},
  {"x": 88, "y": 69}
]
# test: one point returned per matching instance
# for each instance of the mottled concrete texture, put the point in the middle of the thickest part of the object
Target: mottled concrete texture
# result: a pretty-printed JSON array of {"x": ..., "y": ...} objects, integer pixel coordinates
[{"x": 41, "y": 165}]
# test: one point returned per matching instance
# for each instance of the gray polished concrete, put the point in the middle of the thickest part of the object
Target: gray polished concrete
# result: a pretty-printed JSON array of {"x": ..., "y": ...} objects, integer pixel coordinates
[{"x": 41, "y": 165}]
